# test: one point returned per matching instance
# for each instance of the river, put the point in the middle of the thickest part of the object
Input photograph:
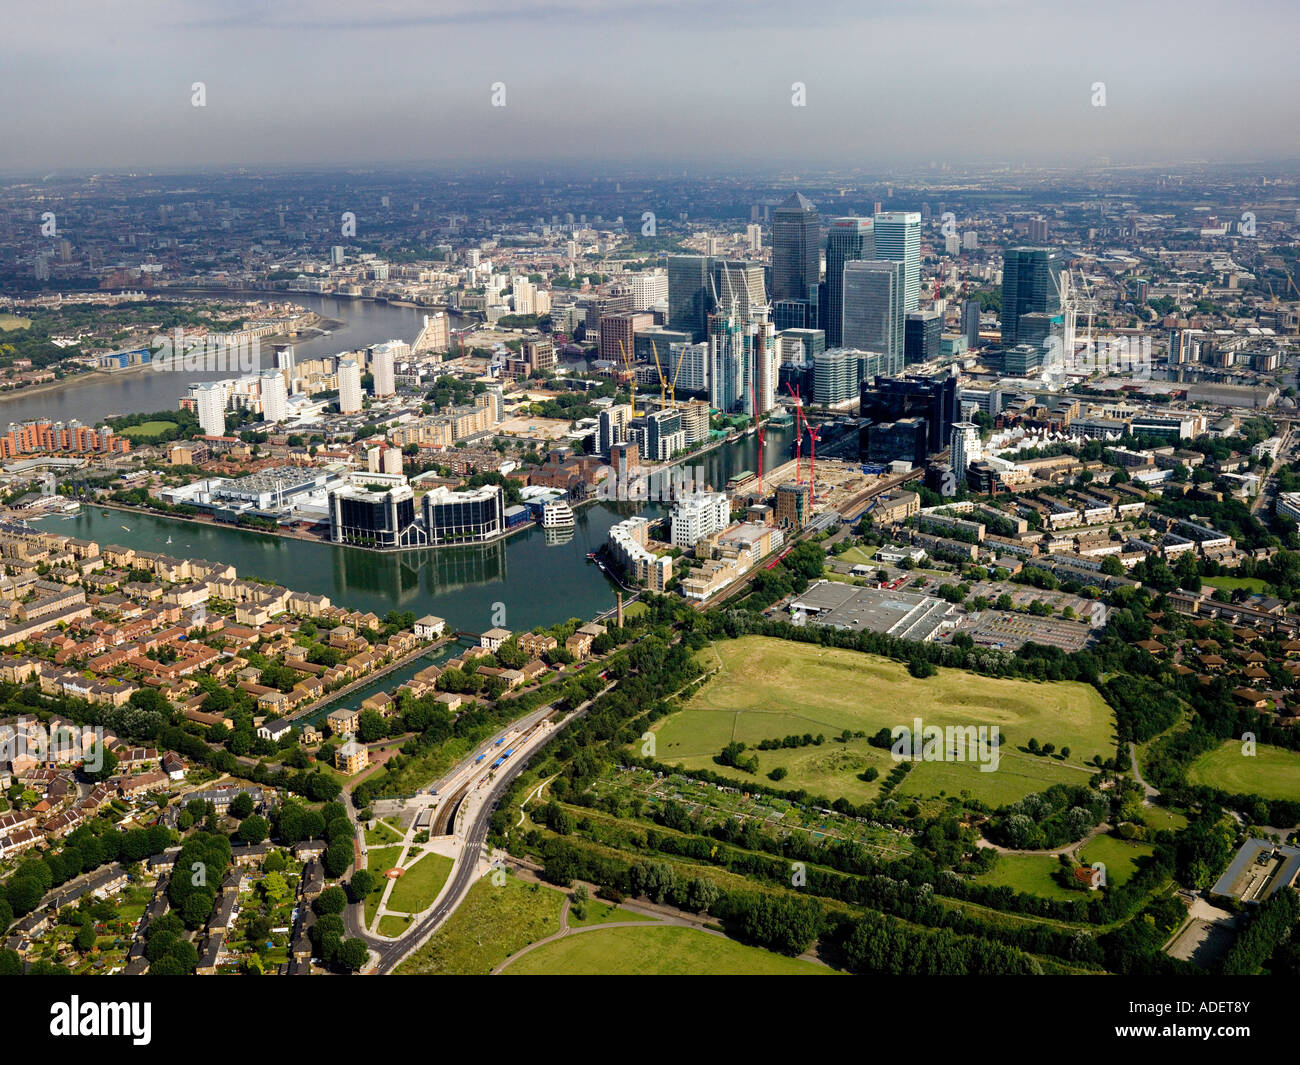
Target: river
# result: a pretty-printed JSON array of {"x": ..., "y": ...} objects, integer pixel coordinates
[{"x": 96, "y": 396}]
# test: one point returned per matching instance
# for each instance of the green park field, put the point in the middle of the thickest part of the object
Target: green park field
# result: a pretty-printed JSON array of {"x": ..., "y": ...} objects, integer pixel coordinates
[
  {"x": 656, "y": 950},
  {"x": 13, "y": 321},
  {"x": 767, "y": 688},
  {"x": 147, "y": 430},
  {"x": 1119, "y": 856},
  {"x": 1273, "y": 772},
  {"x": 491, "y": 924},
  {"x": 417, "y": 888}
]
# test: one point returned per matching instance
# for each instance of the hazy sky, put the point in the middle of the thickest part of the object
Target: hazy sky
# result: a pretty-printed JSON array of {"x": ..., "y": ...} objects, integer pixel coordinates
[{"x": 605, "y": 82}]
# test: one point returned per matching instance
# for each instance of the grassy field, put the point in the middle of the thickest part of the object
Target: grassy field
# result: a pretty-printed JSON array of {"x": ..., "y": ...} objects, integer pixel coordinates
[
  {"x": 858, "y": 556},
  {"x": 379, "y": 861},
  {"x": 768, "y": 688},
  {"x": 664, "y": 950},
  {"x": 604, "y": 913},
  {"x": 13, "y": 321},
  {"x": 393, "y": 926},
  {"x": 490, "y": 925},
  {"x": 1119, "y": 856},
  {"x": 1231, "y": 584},
  {"x": 1030, "y": 873},
  {"x": 419, "y": 886},
  {"x": 1273, "y": 773},
  {"x": 382, "y": 835},
  {"x": 1159, "y": 818},
  {"x": 147, "y": 430}
]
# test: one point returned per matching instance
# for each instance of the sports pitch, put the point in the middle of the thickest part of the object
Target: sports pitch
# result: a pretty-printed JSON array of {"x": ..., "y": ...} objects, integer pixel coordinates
[{"x": 767, "y": 688}]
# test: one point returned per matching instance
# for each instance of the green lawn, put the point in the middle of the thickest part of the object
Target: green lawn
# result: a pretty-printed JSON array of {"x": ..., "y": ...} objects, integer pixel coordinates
[
  {"x": 416, "y": 889},
  {"x": 1272, "y": 773},
  {"x": 382, "y": 835},
  {"x": 147, "y": 430},
  {"x": 379, "y": 862},
  {"x": 393, "y": 926},
  {"x": 769, "y": 688},
  {"x": 604, "y": 913},
  {"x": 656, "y": 950},
  {"x": 1159, "y": 818},
  {"x": 13, "y": 321},
  {"x": 1231, "y": 584},
  {"x": 1030, "y": 873},
  {"x": 1119, "y": 856},
  {"x": 858, "y": 556},
  {"x": 491, "y": 924}
]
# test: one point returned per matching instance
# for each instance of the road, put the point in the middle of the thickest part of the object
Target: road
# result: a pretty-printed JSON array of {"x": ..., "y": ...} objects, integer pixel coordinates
[{"x": 473, "y": 830}]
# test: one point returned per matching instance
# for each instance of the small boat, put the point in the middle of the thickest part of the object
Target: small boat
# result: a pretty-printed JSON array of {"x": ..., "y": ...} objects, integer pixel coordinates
[
  {"x": 169, "y": 539},
  {"x": 125, "y": 527}
]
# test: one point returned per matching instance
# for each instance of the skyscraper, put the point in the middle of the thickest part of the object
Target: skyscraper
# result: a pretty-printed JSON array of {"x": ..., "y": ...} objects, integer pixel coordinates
[
  {"x": 897, "y": 236},
  {"x": 381, "y": 367},
  {"x": 964, "y": 448},
  {"x": 1031, "y": 279},
  {"x": 688, "y": 294},
  {"x": 210, "y": 398},
  {"x": 873, "y": 310},
  {"x": 275, "y": 398},
  {"x": 847, "y": 240},
  {"x": 970, "y": 322},
  {"x": 796, "y": 260},
  {"x": 349, "y": 386}
]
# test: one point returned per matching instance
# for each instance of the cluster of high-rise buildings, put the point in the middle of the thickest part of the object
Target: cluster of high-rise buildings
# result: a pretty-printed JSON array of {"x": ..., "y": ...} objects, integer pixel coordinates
[{"x": 845, "y": 327}]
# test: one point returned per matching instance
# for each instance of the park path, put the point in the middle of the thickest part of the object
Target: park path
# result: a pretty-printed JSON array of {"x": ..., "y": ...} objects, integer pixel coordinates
[
  {"x": 1149, "y": 792},
  {"x": 1070, "y": 848},
  {"x": 663, "y": 917}
]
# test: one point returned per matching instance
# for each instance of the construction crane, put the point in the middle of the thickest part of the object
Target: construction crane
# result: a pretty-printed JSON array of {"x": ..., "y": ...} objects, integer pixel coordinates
[
  {"x": 627, "y": 368},
  {"x": 668, "y": 389},
  {"x": 1291, "y": 282},
  {"x": 761, "y": 430},
  {"x": 798, "y": 431}
]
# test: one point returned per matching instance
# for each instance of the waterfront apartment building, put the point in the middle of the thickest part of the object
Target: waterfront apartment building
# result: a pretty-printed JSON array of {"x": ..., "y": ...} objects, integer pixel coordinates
[
  {"x": 699, "y": 515},
  {"x": 627, "y": 544},
  {"x": 44, "y": 436}
]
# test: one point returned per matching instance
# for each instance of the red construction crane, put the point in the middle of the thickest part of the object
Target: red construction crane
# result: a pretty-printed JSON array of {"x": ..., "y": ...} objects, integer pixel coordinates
[
  {"x": 761, "y": 430},
  {"x": 798, "y": 430}
]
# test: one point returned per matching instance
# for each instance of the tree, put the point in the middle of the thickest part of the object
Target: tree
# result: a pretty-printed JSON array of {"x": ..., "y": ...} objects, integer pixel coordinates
[
  {"x": 84, "y": 940},
  {"x": 362, "y": 883},
  {"x": 274, "y": 887},
  {"x": 241, "y": 805},
  {"x": 331, "y": 900},
  {"x": 354, "y": 954},
  {"x": 255, "y": 829}
]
